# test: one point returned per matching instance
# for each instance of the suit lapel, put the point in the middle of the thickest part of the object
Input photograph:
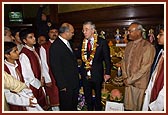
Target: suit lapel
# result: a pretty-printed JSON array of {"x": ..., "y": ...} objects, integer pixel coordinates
[{"x": 65, "y": 47}]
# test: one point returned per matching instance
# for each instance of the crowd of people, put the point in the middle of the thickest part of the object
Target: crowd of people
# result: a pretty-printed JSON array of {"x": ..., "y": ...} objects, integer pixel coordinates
[{"x": 45, "y": 77}]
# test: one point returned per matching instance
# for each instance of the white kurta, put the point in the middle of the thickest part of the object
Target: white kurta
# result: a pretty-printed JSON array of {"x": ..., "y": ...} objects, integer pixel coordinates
[
  {"x": 27, "y": 71},
  {"x": 44, "y": 65},
  {"x": 15, "y": 99},
  {"x": 22, "y": 98}
]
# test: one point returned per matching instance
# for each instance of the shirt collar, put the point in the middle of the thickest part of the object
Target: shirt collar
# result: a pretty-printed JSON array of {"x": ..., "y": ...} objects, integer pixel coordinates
[
  {"x": 51, "y": 40},
  {"x": 11, "y": 64},
  {"x": 91, "y": 39},
  {"x": 30, "y": 48},
  {"x": 138, "y": 40},
  {"x": 64, "y": 40}
]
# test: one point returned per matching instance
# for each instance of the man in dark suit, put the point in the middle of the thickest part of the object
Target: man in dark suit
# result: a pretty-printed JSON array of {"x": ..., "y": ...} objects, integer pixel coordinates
[
  {"x": 94, "y": 52},
  {"x": 65, "y": 69}
]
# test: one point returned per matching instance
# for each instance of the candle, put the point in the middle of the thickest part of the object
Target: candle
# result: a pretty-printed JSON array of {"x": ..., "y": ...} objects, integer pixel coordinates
[{"x": 119, "y": 72}]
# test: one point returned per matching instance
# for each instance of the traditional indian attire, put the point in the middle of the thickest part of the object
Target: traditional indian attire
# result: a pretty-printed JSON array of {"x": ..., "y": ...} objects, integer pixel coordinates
[
  {"x": 137, "y": 61},
  {"x": 19, "y": 101},
  {"x": 11, "y": 84},
  {"x": 31, "y": 70},
  {"x": 52, "y": 91}
]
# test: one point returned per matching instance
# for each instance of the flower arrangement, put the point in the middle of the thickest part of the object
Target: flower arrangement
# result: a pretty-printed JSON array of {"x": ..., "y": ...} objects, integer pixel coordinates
[
  {"x": 88, "y": 63},
  {"x": 81, "y": 103}
]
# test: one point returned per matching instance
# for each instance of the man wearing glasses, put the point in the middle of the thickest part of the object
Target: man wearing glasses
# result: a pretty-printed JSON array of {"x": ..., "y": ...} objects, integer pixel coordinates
[{"x": 136, "y": 64}]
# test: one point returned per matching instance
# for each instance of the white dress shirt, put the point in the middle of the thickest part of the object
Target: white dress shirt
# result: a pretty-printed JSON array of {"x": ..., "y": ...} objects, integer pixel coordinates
[{"x": 66, "y": 42}]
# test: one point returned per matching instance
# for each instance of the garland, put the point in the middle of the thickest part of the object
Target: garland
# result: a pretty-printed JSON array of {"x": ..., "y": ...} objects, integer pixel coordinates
[{"x": 88, "y": 62}]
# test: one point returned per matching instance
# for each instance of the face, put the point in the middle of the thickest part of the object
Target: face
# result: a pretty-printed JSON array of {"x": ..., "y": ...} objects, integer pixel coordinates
[
  {"x": 17, "y": 38},
  {"x": 30, "y": 40},
  {"x": 8, "y": 36},
  {"x": 160, "y": 37},
  {"x": 43, "y": 17},
  {"x": 88, "y": 31},
  {"x": 13, "y": 55},
  {"x": 53, "y": 34},
  {"x": 70, "y": 33},
  {"x": 41, "y": 40},
  {"x": 8, "y": 32},
  {"x": 133, "y": 32}
]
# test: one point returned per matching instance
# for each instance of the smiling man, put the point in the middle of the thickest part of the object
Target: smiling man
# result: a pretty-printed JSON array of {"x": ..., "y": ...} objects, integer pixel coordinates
[{"x": 136, "y": 64}]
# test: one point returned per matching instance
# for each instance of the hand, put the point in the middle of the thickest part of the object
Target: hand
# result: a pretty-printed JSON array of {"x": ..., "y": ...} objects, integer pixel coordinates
[
  {"x": 125, "y": 82},
  {"x": 106, "y": 77},
  {"x": 118, "y": 64},
  {"x": 32, "y": 101}
]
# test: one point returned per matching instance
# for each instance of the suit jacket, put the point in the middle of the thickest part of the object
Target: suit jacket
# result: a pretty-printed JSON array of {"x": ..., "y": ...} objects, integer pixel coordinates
[
  {"x": 102, "y": 55},
  {"x": 63, "y": 65}
]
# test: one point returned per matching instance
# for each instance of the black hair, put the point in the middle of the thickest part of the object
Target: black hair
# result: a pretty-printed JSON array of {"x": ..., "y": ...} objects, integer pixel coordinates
[
  {"x": 161, "y": 27},
  {"x": 53, "y": 26},
  {"x": 41, "y": 35},
  {"x": 8, "y": 46},
  {"x": 15, "y": 31},
  {"x": 23, "y": 33}
]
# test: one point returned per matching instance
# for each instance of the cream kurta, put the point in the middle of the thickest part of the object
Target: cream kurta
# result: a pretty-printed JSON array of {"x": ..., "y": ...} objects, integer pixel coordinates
[{"x": 137, "y": 61}]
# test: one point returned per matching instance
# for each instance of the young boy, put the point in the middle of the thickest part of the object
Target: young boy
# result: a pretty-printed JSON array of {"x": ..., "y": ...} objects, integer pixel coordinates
[
  {"x": 31, "y": 66},
  {"x": 24, "y": 100}
]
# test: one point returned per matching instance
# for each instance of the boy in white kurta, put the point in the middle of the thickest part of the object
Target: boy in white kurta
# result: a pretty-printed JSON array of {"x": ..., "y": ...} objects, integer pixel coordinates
[
  {"x": 31, "y": 66},
  {"x": 25, "y": 99}
]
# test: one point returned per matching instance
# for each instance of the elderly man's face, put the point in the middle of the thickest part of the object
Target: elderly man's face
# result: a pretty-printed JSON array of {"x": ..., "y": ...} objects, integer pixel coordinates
[{"x": 133, "y": 32}]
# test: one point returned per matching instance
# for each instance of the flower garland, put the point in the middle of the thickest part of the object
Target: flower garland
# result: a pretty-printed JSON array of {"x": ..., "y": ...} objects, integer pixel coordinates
[{"x": 88, "y": 62}]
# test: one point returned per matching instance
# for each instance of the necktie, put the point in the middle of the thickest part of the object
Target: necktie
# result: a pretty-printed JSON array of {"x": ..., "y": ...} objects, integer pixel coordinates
[
  {"x": 88, "y": 46},
  {"x": 88, "y": 49},
  {"x": 69, "y": 46}
]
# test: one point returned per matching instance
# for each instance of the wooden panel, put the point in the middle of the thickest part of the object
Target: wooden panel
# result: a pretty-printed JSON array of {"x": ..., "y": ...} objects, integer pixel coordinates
[
  {"x": 127, "y": 12},
  {"x": 110, "y": 18}
]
